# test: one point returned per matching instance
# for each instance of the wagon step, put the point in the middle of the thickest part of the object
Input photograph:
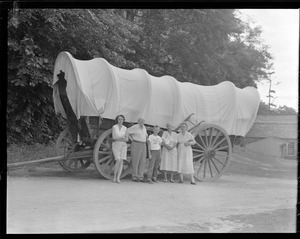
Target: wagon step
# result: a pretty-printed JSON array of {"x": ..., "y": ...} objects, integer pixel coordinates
[{"x": 80, "y": 154}]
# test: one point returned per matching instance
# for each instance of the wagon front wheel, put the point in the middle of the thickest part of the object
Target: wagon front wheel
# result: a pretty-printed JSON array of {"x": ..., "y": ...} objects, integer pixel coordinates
[
  {"x": 64, "y": 146},
  {"x": 211, "y": 153},
  {"x": 103, "y": 157}
]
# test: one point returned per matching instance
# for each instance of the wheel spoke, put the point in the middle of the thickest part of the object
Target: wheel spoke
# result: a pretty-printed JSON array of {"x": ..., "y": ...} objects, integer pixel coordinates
[
  {"x": 224, "y": 147},
  {"x": 219, "y": 161},
  {"x": 216, "y": 138},
  {"x": 206, "y": 139},
  {"x": 201, "y": 164},
  {"x": 104, "y": 145},
  {"x": 221, "y": 153},
  {"x": 104, "y": 158},
  {"x": 65, "y": 151},
  {"x": 200, "y": 145},
  {"x": 221, "y": 141},
  {"x": 198, "y": 155},
  {"x": 112, "y": 164},
  {"x": 204, "y": 145},
  {"x": 65, "y": 146},
  {"x": 198, "y": 150},
  {"x": 204, "y": 169},
  {"x": 68, "y": 141},
  {"x": 103, "y": 152},
  {"x": 208, "y": 159},
  {"x": 215, "y": 165},
  {"x": 202, "y": 159},
  {"x": 211, "y": 135},
  {"x": 212, "y": 150},
  {"x": 108, "y": 161}
]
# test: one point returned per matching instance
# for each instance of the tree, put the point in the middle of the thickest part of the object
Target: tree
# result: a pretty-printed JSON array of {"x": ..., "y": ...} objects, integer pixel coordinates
[
  {"x": 31, "y": 55},
  {"x": 203, "y": 46},
  {"x": 285, "y": 110},
  {"x": 264, "y": 109}
]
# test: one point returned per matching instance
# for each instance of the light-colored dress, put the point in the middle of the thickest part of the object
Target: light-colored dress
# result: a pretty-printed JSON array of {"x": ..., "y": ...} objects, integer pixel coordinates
[
  {"x": 185, "y": 153},
  {"x": 119, "y": 148},
  {"x": 169, "y": 157}
]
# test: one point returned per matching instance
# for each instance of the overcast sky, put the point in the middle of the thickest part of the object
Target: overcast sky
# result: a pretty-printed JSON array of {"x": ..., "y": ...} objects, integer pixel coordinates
[{"x": 281, "y": 33}]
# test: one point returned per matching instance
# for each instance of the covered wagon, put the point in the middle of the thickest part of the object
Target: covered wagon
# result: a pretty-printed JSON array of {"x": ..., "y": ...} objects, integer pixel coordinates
[{"x": 89, "y": 94}]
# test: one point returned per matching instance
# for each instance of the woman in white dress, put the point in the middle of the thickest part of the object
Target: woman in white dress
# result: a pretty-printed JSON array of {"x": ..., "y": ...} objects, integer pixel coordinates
[
  {"x": 185, "y": 153},
  {"x": 169, "y": 153},
  {"x": 119, "y": 146}
]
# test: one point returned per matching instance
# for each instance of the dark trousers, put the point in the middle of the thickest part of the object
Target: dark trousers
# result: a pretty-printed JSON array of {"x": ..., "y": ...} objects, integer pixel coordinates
[{"x": 154, "y": 163}]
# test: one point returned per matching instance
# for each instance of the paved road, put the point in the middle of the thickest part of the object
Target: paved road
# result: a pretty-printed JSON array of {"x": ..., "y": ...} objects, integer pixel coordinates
[{"x": 46, "y": 200}]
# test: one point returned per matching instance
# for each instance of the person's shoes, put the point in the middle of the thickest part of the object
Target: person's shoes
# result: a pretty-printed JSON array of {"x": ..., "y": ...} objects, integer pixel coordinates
[
  {"x": 136, "y": 180},
  {"x": 180, "y": 181},
  {"x": 154, "y": 180},
  {"x": 150, "y": 181},
  {"x": 114, "y": 180},
  {"x": 144, "y": 180},
  {"x": 194, "y": 183},
  {"x": 165, "y": 180},
  {"x": 171, "y": 180},
  {"x": 118, "y": 181}
]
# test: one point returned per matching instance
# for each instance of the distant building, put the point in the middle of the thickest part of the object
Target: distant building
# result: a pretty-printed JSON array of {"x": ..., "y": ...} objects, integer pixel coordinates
[{"x": 275, "y": 135}]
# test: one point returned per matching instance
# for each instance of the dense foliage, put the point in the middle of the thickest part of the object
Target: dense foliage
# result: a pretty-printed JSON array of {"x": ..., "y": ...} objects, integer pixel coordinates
[
  {"x": 264, "y": 109},
  {"x": 204, "y": 46}
]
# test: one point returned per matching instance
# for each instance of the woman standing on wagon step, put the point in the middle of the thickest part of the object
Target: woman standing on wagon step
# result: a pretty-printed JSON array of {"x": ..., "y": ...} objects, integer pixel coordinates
[
  {"x": 169, "y": 153},
  {"x": 185, "y": 153},
  {"x": 119, "y": 146}
]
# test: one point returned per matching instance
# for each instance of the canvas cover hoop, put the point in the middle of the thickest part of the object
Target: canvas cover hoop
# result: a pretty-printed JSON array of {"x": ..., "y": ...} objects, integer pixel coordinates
[{"x": 97, "y": 88}]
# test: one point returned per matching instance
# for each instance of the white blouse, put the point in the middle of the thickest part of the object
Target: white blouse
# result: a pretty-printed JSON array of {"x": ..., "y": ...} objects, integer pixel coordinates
[{"x": 118, "y": 133}]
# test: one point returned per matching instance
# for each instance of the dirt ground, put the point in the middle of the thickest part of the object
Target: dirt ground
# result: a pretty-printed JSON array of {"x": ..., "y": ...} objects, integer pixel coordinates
[{"x": 256, "y": 194}]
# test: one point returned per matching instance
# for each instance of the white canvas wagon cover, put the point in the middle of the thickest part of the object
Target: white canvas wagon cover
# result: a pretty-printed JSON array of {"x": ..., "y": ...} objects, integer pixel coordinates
[{"x": 97, "y": 88}]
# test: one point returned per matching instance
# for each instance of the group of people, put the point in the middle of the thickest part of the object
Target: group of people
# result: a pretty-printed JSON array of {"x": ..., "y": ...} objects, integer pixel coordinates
[{"x": 170, "y": 153}]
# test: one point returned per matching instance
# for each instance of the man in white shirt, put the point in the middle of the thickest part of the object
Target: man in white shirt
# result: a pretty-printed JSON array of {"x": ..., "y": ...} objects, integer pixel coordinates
[{"x": 138, "y": 135}]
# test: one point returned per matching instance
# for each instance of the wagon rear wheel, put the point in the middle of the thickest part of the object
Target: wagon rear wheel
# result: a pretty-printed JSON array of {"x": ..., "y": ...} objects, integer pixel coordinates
[
  {"x": 66, "y": 145},
  {"x": 211, "y": 153},
  {"x": 104, "y": 159}
]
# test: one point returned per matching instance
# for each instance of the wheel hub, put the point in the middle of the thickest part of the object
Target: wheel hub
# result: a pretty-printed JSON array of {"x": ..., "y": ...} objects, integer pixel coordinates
[
  {"x": 75, "y": 147},
  {"x": 210, "y": 153}
]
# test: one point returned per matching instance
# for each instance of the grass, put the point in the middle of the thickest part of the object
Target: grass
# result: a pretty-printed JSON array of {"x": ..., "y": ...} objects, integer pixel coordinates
[{"x": 21, "y": 153}]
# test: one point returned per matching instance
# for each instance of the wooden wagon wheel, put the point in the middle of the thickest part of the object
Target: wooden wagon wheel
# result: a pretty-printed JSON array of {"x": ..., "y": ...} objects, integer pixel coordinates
[
  {"x": 211, "y": 153},
  {"x": 64, "y": 146},
  {"x": 104, "y": 159}
]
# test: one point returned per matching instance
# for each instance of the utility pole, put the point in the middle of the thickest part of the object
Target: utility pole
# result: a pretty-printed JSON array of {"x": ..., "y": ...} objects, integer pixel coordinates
[{"x": 270, "y": 91}]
